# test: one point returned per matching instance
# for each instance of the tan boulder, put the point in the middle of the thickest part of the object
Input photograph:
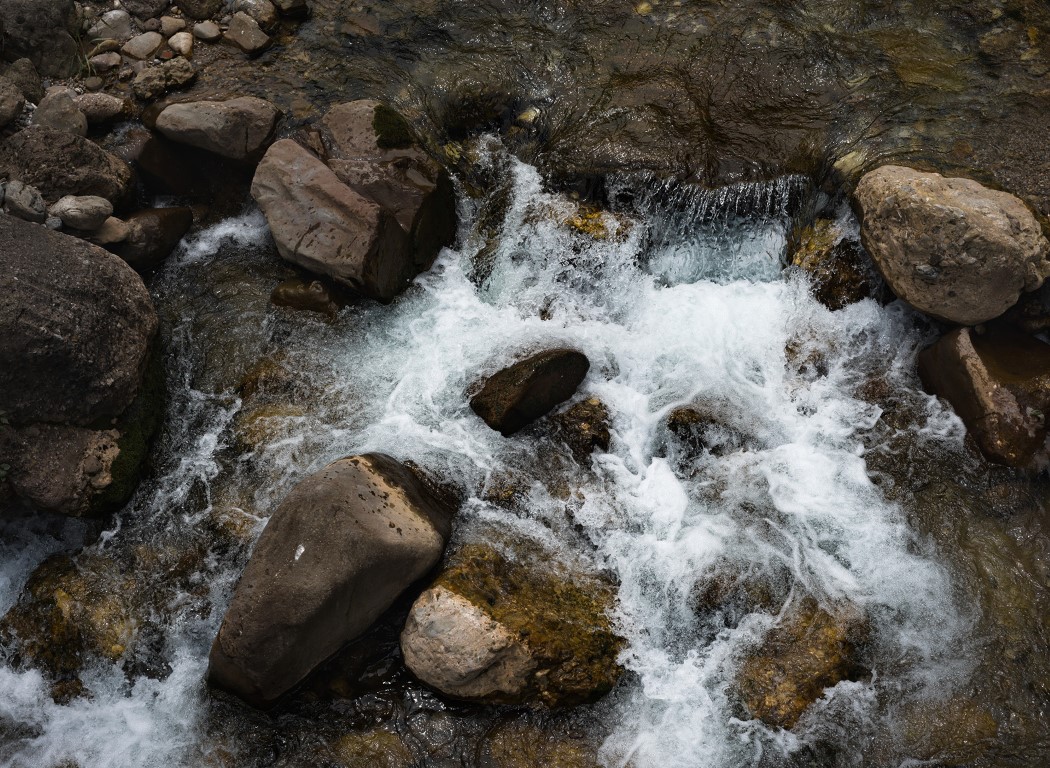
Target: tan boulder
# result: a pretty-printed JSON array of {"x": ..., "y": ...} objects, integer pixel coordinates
[
  {"x": 237, "y": 128},
  {"x": 950, "y": 247}
]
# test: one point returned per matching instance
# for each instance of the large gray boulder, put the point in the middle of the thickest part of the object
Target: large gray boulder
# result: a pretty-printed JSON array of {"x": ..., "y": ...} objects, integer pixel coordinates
[
  {"x": 951, "y": 248},
  {"x": 320, "y": 223},
  {"x": 998, "y": 382},
  {"x": 519, "y": 394},
  {"x": 59, "y": 164},
  {"x": 238, "y": 128},
  {"x": 337, "y": 552},
  {"x": 40, "y": 31},
  {"x": 76, "y": 324}
]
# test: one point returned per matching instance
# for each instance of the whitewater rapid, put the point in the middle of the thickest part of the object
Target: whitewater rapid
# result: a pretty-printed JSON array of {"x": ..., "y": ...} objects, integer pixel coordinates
[{"x": 679, "y": 303}]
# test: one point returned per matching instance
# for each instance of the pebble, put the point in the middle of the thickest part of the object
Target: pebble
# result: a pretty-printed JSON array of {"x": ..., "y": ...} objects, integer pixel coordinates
[
  {"x": 207, "y": 31},
  {"x": 169, "y": 25},
  {"x": 143, "y": 46},
  {"x": 114, "y": 25},
  {"x": 100, "y": 107},
  {"x": 182, "y": 43},
  {"x": 104, "y": 47},
  {"x": 104, "y": 62},
  {"x": 244, "y": 32}
]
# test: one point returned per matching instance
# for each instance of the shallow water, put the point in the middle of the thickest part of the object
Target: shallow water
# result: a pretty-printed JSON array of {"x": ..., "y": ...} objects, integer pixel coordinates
[{"x": 684, "y": 300}]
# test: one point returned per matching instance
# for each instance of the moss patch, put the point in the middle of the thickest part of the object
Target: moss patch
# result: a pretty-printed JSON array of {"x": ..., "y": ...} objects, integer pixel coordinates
[
  {"x": 563, "y": 619},
  {"x": 392, "y": 130}
]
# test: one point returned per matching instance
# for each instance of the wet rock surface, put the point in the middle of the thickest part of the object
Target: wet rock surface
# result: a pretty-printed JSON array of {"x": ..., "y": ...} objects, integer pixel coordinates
[
  {"x": 951, "y": 248},
  {"x": 998, "y": 382},
  {"x": 516, "y": 396},
  {"x": 840, "y": 271},
  {"x": 336, "y": 553},
  {"x": 811, "y": 649},
  {"x": 59, "y": 163},
  {"x": 492, "y": 628}
]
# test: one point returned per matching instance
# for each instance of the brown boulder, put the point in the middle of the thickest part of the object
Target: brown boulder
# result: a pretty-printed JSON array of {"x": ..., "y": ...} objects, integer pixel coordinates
[
  {"x": 951, "y": 248},
  {"x": 321, "y": 224},
  {"x": 76, "y": 324},
  {"x": 519, "y": 394},
  {"x": 59, "y": 164},
  {"x": 337, "y": 552},
  {"x": 811, "y": 649},
  {"x": 584, "y": 427},
  {"x": 998, "y": 382},
  {"x": 238, "y": 128},
  {"x": 152, "y": 235},
  {"x": 839, "y": 271}
]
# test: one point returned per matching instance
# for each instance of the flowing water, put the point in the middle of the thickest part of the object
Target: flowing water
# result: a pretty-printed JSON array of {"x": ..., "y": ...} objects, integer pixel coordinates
[{"x": 681, "y": 299}]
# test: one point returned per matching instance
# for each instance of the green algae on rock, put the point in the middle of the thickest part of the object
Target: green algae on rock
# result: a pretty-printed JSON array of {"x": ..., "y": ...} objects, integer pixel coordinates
[{"x": 524, "y": 632}]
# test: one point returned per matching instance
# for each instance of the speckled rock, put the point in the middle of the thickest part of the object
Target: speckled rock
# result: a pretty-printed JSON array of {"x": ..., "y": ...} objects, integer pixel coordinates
[{"x": 950, "y": 247}]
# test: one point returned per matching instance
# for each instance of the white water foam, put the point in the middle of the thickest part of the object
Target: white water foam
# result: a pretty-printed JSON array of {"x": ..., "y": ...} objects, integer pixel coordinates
[{"x": 662, "y": 328}]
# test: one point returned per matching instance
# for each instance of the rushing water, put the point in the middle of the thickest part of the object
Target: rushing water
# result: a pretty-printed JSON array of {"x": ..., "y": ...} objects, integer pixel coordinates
[{"x": 683, "y": 300}]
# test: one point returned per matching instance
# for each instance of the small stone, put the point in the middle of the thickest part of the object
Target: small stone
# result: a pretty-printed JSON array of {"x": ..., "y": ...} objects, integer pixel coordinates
[
  {"x": 244, "y": 32},
  {"x": 146, "y": 9},
  {"x": 153, "y": 82},
  {"x": 169, "y": 25},
  {"x": 182, "y": 43},
  {"x": 200, "y": 9},
  {"x": 100, "y": 107},
  {"x": 262, "y": 11},
  {"x": 143, "y": 46},
  {"x": 58, "y": 111},
  {"x": 151, "y": 25},
  {"x": 53, "y": 223},
  {"x": 86, "y": 212},
  {"x": 207, "y": 31},
  {"x": 104, "y": 62},
  {"x": 114, "y": 25},
  {"x": 93, "y": 83},
  {"x": 24, "y": 202}
]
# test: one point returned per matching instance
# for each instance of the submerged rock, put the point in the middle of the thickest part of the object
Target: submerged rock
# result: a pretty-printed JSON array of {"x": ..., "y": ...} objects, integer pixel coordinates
[
  {"x": 838, "y": 268},
  {"x": 950, "y": 247},
  {"x": 521, "y": 745},
  {"x": 238, "y": 128},
  {"x": 811, "y": 649},
  {"x": 584, "y": 427},
  {"x": 497, "y": 630},
  {"x": 998, "y": 382},
  {"x": 311, "y": 296},
  {"x": 152, "y": 234},
  {"x": 337, "y": 552},
  {"x": 519, "y": 394}
]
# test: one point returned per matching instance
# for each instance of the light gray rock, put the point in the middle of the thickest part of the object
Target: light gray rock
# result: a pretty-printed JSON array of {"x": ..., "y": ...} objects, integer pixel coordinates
[
  {"x": 24, "y": 202},
  {"x": 181, "y": 43},
  {"x": 323, "y": 225},
  {"x": 58, "y": 111},
  {"x": 143, "y": 46},
  {"x": 104, "y": 62},
  {"x": 100, "y": 107},
  {"x": 112, "y": 25},
  {"x": 169, "y": 25},
  {"x": 85, "y": 212},
  {"x": 950, "y": 247},
  {"x": 207, "y": 31},
  {"x": 458, "y": 648},
  {"x": 12, "y": 102},
  {"x": 238, "y": 128},
  {"x": 245, "y": 33},
  {"x": 263, "y": 11},
  {"x": 334, "y": 555}
]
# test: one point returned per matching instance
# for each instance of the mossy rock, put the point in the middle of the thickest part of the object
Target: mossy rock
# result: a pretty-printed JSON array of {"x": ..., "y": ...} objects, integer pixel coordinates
[
  {"x": 840, "y": 272},
  {"x": 67, "y": 613},
  {"x": 392, "y": 130},
  {"x": 556, "y": 622},
  {"x": 374, "y": 748},
  {"x": 811, "y": 649},
  {"x": 519, "y": 744},
  {"x": 584, "y": 427}
]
